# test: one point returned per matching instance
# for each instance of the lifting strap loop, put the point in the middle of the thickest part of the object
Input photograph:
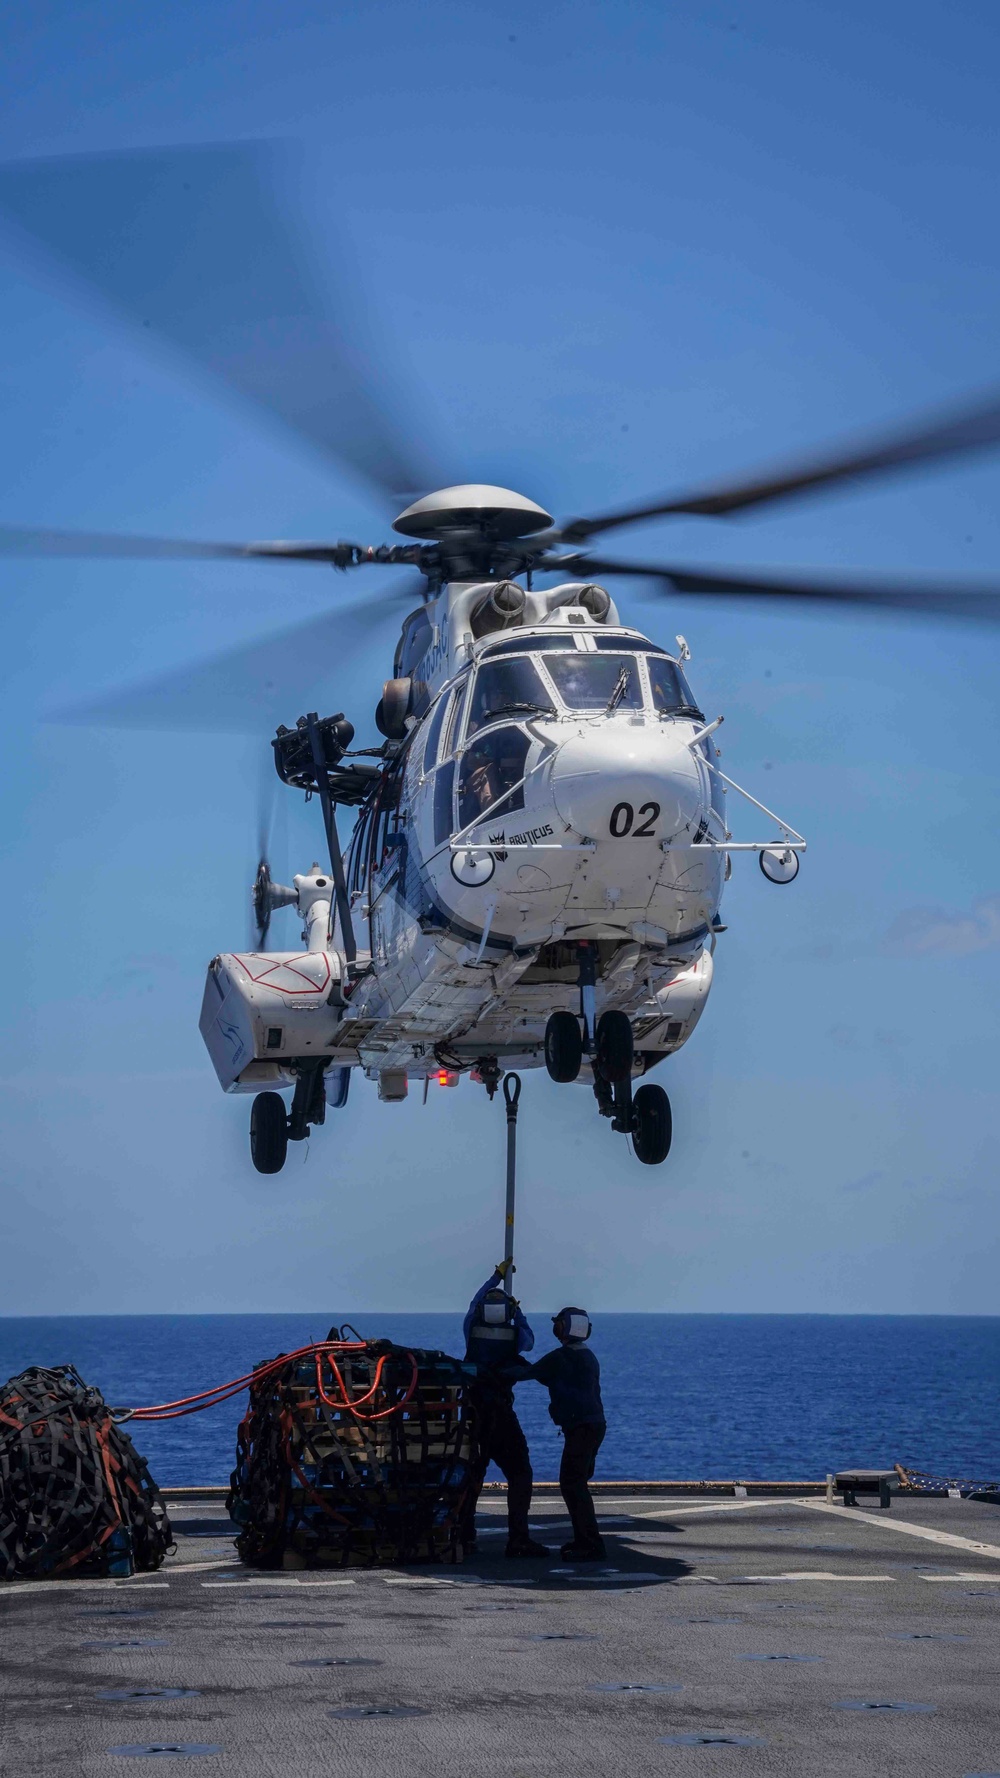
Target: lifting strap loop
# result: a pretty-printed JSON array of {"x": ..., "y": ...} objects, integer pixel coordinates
[{"x": 511, "y": 1094}]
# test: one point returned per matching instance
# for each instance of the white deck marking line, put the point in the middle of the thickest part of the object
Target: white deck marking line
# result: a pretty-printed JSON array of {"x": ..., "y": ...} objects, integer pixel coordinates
[
  {"x": 725, "y": 1503},
  {"x": 60, "y": 1590},
  {"x": 717, "y": 1506},
  {"x": 290, "y": 1580},
  {"x": 987, "y": 1575},
  {"x": 812, "y": 1574},
  {"x": 416, "y": 1580},
  {"x": 885, "y": 1523},
  {"x": 195, "y": 1567}
]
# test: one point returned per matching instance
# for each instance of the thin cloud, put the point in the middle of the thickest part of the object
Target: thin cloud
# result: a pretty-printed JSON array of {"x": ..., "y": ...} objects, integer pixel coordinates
[{"x": 945, "y": 932}]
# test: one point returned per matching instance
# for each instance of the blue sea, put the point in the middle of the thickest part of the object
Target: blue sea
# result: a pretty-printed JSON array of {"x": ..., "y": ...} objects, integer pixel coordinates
[{"x": 687, "y": 1396}]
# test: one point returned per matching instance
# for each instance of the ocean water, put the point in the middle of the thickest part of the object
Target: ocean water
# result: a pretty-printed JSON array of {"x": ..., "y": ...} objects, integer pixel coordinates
[{"x": 687, "y": 1396}]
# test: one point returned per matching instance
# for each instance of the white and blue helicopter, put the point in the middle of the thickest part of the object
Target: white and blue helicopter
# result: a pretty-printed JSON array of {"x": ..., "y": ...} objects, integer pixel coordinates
[
  {"x": 542, "y": 837},
  {"x": 536, "y": 870}
]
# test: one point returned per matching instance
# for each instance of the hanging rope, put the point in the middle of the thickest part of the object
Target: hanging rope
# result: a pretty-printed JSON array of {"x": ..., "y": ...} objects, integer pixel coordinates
[{"x": 75, "y": 1496}]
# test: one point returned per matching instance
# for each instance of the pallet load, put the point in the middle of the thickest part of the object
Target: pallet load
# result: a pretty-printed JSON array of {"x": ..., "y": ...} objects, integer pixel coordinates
[
  {"x": 76, "y": 1498},
  {"x": 354, "y": 1454}
]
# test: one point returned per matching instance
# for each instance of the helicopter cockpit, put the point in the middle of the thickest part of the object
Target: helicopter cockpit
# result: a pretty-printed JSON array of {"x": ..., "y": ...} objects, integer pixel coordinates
[{"x": 523, "y": 680}]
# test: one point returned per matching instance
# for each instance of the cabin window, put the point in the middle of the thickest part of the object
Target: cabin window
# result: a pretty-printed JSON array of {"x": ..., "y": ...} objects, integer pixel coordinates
[
  {"x": 492, "y": 765},
  {"x": 508, "y": 688},
  {"x": 717, "y": 787},
  {"x": 385, "y": 815},
  {"x": 592, "y": 681}
]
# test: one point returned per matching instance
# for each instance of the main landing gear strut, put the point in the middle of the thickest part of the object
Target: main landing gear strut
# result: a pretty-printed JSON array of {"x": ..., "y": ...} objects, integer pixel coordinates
[
  {"x": 272, "y": 1128},
  {"x": 643, "y": 1115}
]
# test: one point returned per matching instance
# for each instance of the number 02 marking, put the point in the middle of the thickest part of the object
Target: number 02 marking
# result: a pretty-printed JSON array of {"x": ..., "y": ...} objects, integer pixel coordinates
[{"x": 623, "y": 815}]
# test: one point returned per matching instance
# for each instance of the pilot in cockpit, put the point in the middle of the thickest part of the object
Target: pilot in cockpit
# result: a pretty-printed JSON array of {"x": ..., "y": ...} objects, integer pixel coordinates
[{"x": 481, "y": 779}]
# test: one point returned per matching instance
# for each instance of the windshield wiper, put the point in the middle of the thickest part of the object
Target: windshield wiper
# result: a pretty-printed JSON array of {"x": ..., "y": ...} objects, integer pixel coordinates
[
  {"x": 506, "y": 709},
  {"x": 621, "y": 687}
]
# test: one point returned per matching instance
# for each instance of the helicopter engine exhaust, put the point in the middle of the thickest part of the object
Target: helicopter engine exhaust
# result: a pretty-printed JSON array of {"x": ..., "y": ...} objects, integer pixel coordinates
[
  {"x": 591, "y": 598},
  {"x": 502, "y": 607}
]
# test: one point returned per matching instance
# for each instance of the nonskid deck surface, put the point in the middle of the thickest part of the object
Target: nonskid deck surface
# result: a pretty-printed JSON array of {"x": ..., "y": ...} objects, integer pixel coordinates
[{"x": 776, "y": 1623}]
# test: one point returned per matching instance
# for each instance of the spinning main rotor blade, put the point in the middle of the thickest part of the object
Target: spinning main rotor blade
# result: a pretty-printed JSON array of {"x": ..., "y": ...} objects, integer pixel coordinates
[
  {"x": 725, "y": 583},
  {"x": 250, "y": 689},
  {"x": 971, "y": 429},
  {"x": 22, "y": 540},
  {"x": 199, "y": 246}
]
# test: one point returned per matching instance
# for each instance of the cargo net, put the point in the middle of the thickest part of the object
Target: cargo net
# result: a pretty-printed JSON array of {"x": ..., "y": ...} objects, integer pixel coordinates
[
  {"x": 918, "y": 1481},
  {"x": 354, "y": 1454},
  {"x": 75, "y": 1496}
]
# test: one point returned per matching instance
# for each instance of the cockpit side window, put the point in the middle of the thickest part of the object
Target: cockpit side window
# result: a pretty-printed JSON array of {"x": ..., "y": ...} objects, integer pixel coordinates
[
  {"x": 491, "y": 765},
  {"x": 595, "y": 681},
  {"x": 434, "y": 727},
  {"x": 507, "y": 688},
  {"x": 452, "y": 731}
]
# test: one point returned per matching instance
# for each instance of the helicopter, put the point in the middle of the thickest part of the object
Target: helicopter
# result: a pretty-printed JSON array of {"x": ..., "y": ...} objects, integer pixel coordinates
[{"x": 542, "y": 838}]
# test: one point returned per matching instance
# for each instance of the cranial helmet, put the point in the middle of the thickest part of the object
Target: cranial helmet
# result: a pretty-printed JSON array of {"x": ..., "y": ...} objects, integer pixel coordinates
[
  {"x": 494, "y": 1309},
  {"x": 571, "y": 1324}
]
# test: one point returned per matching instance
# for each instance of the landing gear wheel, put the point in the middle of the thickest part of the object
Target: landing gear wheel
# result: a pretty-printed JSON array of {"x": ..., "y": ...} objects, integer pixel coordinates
[
  {"x": 613, "y": 1046},
  {"x": 563, "y": 1046},
  {"x": 268, "y": 1132},
  {"x": 652, "y": 1125}
]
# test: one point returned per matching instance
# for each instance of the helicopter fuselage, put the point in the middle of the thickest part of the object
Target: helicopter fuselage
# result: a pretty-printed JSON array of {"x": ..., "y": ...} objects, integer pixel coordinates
[{"x": 553, "y": 789}]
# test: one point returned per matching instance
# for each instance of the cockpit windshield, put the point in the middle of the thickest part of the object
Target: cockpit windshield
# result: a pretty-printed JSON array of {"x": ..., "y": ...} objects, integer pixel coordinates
[
  {"x": 671, "y": 691},
  {"x": 596, "y": 681},
  {"x": 508, "y": 688}
]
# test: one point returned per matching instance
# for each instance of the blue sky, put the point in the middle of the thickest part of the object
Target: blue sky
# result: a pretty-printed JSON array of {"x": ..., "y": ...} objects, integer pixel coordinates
[{"x": 612, "y": 249}]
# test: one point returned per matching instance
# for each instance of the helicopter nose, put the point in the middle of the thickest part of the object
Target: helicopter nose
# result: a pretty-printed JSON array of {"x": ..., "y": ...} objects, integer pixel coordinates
[{"x": 616, "y": 780}]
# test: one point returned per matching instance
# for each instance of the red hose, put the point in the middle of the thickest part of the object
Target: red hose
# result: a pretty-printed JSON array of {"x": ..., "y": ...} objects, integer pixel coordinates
[
  {"x": 352, "y": 1406},
  {"x": 222, "y": 1391},
  {"x": 210, "y": 1398}
]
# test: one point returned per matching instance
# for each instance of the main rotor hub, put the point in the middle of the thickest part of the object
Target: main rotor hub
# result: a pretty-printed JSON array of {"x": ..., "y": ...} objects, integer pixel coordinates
[{"x": 474, "y": 506}]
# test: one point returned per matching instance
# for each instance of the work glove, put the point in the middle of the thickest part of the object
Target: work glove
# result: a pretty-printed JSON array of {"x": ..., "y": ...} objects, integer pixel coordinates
[{"x": 505, "y": 1266}]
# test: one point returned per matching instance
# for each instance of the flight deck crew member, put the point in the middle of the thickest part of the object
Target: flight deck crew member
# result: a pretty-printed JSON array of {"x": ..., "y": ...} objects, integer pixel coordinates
[
  {"x": 573, "y": 1377},
  {"x": 496, "y": 1334}
]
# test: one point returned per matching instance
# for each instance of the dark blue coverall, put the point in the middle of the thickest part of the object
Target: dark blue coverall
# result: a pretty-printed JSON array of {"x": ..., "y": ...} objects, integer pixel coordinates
[
  {"x": 572, "y": 1376},
  {"x": 501, "y": 1439}
]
